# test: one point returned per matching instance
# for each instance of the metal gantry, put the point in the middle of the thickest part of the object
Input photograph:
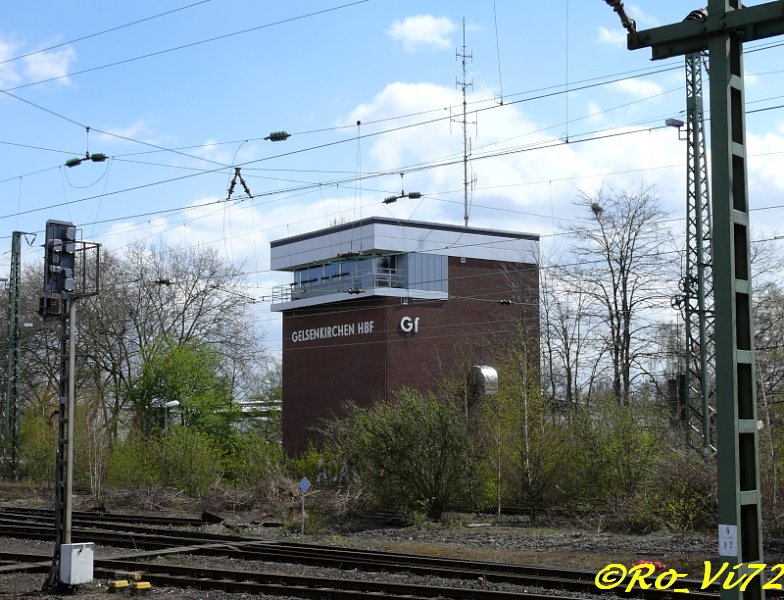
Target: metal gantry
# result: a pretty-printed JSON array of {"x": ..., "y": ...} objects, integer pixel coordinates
[
  {"x": 722, "y": 30},
  {"x": 698, "y": 284}
]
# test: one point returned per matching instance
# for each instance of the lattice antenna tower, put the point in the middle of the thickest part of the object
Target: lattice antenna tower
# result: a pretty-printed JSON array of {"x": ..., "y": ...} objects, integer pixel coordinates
[{"x": 463, "y": 85}]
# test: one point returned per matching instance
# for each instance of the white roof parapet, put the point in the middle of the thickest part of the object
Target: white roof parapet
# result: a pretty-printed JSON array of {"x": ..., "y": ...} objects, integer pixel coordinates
[{"x": 384, "y": 235}]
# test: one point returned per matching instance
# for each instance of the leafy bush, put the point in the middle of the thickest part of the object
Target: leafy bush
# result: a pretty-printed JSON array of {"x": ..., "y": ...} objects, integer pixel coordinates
[
  {"x": 613, "y": 454},
  {"x": 413, "y": 453},
  {"x": 37, "y": 448},
  {"x": 134, "y": 463},
  {"x": 253, "y": 461},
  {"x": 307, "y": 464},
  {"x": 687, "y": 484},
  {"x": 329, "y": 466},
  {"x": 190, "y": 460}
]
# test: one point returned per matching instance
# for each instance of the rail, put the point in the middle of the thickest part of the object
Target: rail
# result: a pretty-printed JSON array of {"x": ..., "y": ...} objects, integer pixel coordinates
[{"x": 342, "y": 283}]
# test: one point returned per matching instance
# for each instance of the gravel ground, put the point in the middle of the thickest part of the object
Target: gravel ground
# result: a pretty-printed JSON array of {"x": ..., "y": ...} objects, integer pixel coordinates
[{"x": 525, "y": 545}]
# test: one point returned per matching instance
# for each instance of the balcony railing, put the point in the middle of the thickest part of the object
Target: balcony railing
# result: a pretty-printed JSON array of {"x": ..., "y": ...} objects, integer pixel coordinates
[{"x": 392, "y": 278}]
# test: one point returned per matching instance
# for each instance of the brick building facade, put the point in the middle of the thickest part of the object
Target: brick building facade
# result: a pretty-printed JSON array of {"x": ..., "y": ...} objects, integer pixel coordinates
[{"x": 382, "y": 304}]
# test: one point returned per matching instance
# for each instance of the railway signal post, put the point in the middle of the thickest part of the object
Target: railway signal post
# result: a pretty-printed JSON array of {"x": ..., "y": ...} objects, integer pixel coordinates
[
  {"x": 71, "y": 271},
  {"x": 721, "y": 29}
]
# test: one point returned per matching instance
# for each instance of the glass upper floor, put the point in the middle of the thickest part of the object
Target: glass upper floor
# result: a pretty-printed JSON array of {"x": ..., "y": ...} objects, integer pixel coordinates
[{"x": 392, "y": 275}]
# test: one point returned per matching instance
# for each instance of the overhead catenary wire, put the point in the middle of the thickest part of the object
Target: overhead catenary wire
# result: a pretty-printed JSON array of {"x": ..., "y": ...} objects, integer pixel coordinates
[
  {"x": 54, "y": 113},
  {"x": 396, "y": 169},
  {"x": 186, "y": 46},
  {"x": 543, "y": 216},
  {"x": 222, "y": 165},
  {"x": 185, "y": 209},
  {"x": 284, "y": 154},
  {"x": 766, "y": 46},
  {"x": 102, "y": 32}
]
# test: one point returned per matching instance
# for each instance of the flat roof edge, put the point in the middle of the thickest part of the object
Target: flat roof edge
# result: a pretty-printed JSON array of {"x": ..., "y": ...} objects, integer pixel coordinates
[{"x": 402, "y": 223}]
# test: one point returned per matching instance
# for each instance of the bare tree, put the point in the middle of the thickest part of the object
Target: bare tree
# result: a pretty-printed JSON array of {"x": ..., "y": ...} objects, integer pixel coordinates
[
  {"x": 148, "y": 294},
  {"x": 623, "y": 272},
  {"x": 568, "y": 325}
]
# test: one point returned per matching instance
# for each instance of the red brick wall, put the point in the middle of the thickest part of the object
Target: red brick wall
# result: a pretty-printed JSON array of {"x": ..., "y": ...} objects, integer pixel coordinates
[
  {"x": 469, "y": 328},
  {"x": 320, "y": 375}
]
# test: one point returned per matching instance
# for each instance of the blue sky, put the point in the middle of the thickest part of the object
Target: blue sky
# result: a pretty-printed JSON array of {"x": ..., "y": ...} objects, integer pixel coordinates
[{"x": 176, "y": 100}]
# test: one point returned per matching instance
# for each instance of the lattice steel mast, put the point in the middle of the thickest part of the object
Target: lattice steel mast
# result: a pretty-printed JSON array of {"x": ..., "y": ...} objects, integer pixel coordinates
[
  {"x": 698, "y": 286},
  {"x": 10, "y": 406}
]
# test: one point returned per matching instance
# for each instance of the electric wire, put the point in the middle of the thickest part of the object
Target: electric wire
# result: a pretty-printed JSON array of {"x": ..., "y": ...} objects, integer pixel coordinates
[
  {"x": 223, "y": 165},
  {"x": 184, "y": 46},
  {"x": 181, "y": 209},
  {"x": 103, "y": 32},
  {"x": 769, "y": 108},
  {"x": 646, "y": 71},
  {"x": 176, "y": 151}
]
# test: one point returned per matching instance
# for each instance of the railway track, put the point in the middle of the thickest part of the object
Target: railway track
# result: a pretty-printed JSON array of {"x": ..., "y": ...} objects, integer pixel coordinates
[
  {"x": 155, "y": 543},
  {"x": 277, "y": 583},
  {"x": 297, "y": 585},
  {"x": 107, "y": 517}
]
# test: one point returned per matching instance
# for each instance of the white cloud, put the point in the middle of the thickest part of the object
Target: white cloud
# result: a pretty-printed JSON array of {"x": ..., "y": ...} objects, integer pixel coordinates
[
  {"x": 47, "y": 65},
  {"x": 642, "y": 19},
  {"x": 639, "y": 88},
  {"x": 518, "y": 190},
  {"x": 135, "y": 130},
  {"x": 594, "y": 114},
  {"x": 422, "y": 31},
  {"x": 36, "y": 66},
  {"x": 612, "y": 37},
  {"x": 764, "y": 164},
  {"x": 523, "y": 187},
  {"x": 8, "y": 74}
]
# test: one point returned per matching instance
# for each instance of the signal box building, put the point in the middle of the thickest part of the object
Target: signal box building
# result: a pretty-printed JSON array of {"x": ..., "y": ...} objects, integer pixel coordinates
[{"x": 382, "y": 304}]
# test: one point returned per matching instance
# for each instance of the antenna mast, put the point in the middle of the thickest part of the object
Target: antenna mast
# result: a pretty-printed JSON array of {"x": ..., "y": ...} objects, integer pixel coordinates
[{"x": 464, "y": 85}]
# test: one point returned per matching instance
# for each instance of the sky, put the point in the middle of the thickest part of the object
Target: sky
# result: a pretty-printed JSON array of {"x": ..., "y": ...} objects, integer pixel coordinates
[{"x": 177, "y": 94}]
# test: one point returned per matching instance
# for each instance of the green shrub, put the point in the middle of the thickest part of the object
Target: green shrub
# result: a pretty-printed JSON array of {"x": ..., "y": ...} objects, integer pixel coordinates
[
  {"x": 253, "y": 460},
  {"x": 327, "y": 467},
  {"x": 306, "y": 464},
  {"x": 414, "y": 454},
  {"x": 134, "y": 463},
  {"x": 687, "y": 484},
  {"x": 37, "y": 448},
  {"x": 190, "y": 460}
]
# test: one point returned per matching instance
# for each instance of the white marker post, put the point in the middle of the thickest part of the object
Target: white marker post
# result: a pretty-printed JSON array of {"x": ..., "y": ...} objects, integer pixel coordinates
[{"x": 304, "y": 486}]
